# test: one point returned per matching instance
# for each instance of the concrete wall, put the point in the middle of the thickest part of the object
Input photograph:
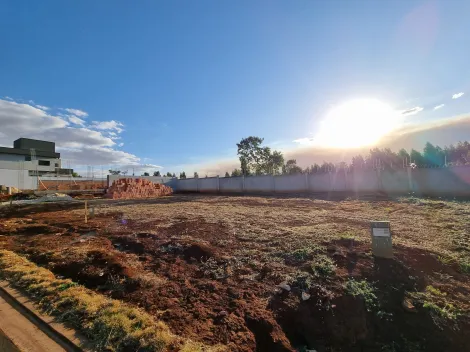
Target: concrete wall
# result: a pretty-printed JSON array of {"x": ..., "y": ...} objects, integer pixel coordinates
[
  {"x": 231, "y": 184},
  {"x": 209, "y": 184},
  {"x": 291, "y": 183},
  {"x": 17, "y": 178},
  {"x": 259, "y": 184},
  {"x": 453, "y": 181}
]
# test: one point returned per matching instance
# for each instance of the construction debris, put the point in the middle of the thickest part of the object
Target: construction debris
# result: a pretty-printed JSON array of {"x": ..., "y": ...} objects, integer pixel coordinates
[{"x": 128, "y": 188}]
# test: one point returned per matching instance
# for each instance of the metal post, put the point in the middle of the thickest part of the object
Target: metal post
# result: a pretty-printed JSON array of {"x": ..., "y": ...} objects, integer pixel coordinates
[{"x": 218, "y": 183}]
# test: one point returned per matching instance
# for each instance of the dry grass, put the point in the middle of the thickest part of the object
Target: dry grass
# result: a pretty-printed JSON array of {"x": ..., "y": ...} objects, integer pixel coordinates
[
  {"x": 108, "y": 324},
  {"x": 432, "y": 225}
]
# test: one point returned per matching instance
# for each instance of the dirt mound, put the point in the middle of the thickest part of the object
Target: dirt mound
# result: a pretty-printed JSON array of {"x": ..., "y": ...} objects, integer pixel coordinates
[{"x": 198, "y": 251}]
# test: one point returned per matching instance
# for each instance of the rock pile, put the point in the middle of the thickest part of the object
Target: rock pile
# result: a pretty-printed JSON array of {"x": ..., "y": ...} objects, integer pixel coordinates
[{"x": 129, "y": 188}]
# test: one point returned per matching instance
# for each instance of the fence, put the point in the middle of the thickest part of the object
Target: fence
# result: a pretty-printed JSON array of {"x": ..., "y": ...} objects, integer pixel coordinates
[{"x": 454, "y": 181}]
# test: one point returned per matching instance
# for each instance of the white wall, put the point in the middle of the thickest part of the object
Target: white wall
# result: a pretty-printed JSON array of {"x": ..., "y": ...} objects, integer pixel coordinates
[
  {"x": 259, "y": 183},
  {"x": 291, "y": 183},
  {"x": 230, "y": 184},
  {"x": 445, "y": 181},
  {"x": 18, "y": 179},
  {"x": 209, "y": 184}
]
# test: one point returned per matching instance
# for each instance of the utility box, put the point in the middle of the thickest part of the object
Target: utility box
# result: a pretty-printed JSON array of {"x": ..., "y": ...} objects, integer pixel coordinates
[{"x": 381, "y": 239}]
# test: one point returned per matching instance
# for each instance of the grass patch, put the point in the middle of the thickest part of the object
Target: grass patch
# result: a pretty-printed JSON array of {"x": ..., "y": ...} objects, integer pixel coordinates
[
  {"x": 365, "y": 290},
  {"x": 303, "y": 254},
  {"x": 436, "y": 302},
  {"x": 108, "y": 324},
  {"x": 464, "y": 265},
  {"x": 346, "y": 236},
  {"x": 323, "y": 266}
]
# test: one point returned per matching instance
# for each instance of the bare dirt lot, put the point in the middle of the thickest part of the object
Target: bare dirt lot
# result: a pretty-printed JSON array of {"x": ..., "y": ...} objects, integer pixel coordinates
[{"x": 265, "y": 273}]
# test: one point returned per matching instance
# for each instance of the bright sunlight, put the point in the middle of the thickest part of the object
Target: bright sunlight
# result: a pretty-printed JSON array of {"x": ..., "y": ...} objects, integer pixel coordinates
[{"x": 357, "y": 123}]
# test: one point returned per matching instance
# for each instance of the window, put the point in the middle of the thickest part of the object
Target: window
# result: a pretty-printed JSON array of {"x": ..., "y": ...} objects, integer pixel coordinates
[
  {"x": 27, "y": 158},
  {"x": 56, "y": 164},
  {"x": 44, "y": 163}
]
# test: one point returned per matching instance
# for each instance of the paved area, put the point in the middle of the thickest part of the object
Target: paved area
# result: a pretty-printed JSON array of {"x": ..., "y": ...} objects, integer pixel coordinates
[{"x": 24, "y": 335}]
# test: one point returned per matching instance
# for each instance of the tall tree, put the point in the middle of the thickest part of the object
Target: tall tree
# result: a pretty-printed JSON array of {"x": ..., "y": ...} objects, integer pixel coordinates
[
  {"x": 168, "y": 174},
  {"x": 196, "y": 174},
  {"x": 182, "y": 175},
  {"x": 291, "y": 167},
  {"x": 146, "y": 174},
  {"x": 416, "y": 157},
  {"x": 237, "y": 173},
  {"x": 249, "y": 153},
  {"x": 254, "y": 158},
  {"x": 227, "y": 174},
  {"x": 156, "y": 173}
]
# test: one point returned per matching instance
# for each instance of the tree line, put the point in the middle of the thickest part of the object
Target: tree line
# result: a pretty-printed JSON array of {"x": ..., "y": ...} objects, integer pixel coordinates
[{"x": 256, "y": 159}]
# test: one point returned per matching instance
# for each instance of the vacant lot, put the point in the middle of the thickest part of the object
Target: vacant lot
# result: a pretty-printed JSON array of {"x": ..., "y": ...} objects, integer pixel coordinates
[{"x": 268, "y": 274}]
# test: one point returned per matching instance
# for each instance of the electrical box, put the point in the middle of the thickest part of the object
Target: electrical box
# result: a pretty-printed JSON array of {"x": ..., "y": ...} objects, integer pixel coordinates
[{"x": 381, "y": 239}]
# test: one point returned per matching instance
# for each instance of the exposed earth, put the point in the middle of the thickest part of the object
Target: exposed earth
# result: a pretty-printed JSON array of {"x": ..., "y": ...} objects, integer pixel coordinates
[{"x": 267, "y": 273}]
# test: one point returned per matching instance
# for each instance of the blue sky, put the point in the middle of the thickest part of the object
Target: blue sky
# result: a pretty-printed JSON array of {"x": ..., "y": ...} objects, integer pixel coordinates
[{"x": 188, "y": 79}]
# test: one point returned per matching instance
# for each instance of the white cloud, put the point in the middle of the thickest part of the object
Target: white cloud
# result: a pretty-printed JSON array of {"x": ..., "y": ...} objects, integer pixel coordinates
[
  {"x": 412, "y": 111},
  {"x": 108, "y": 125},
  {"x": 457, "y": 95},
  {"x": 78, "y": 145},
  {"x": 76, "y": 120},
  {"x": 77, "y": 112},
  {"x": 42, "y": 107},
  {"x": 303, "y": 141},
  {"x": 120, "y": 144},
  {"x": 438, "y": 106}
]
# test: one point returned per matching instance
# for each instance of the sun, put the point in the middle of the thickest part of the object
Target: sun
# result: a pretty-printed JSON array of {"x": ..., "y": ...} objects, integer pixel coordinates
[{"x": 357, "y": 123}]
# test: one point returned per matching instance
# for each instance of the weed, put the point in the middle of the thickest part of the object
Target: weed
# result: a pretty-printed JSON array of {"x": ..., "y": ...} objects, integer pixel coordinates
[
  {"x": 346, "y": 236},
  {"x": 365, "y": 290},
  {"x": 446, "y": 260},
  {"x": 302, "y": 280},
  {"x": 464, "y": 265},
  {"x": 303, "y": 254},
  {"x": 438, "y": 305},
  {"x": 323, "y": 266}
]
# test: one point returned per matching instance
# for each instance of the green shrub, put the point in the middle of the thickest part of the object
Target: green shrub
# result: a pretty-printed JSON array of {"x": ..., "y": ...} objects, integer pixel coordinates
[{"x": 365, "y": 290}]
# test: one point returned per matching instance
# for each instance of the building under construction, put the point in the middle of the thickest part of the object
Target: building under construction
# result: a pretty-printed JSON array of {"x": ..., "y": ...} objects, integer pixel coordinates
[{"x": 21, "y": 165}]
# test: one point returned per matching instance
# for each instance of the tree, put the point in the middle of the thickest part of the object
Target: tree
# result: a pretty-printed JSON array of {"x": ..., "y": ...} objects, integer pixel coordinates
[
  {"x": 433, "y": 156},
  {"x": 174, "y": 175},
  {"x": 227, "y": 174},
  {"x": 156, "y": 173},
  {"x": 196, "y": 174},
  {"x": 291, "y": 167},
  {"x": 146, "y": 174},
  {"x": 237, "y": 173},
  {"x": 416, "y": 157},
  {"x": 257, "y": 159},
  {"x": 168, "y": 174},
  {"x": 74, "y": 174},
  {"x": 182, "y": 175},
  {"x": 115, "y": 172}
]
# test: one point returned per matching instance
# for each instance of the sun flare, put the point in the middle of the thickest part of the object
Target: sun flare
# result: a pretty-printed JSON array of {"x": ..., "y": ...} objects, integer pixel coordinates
[{"x": 357, "y": 123}]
